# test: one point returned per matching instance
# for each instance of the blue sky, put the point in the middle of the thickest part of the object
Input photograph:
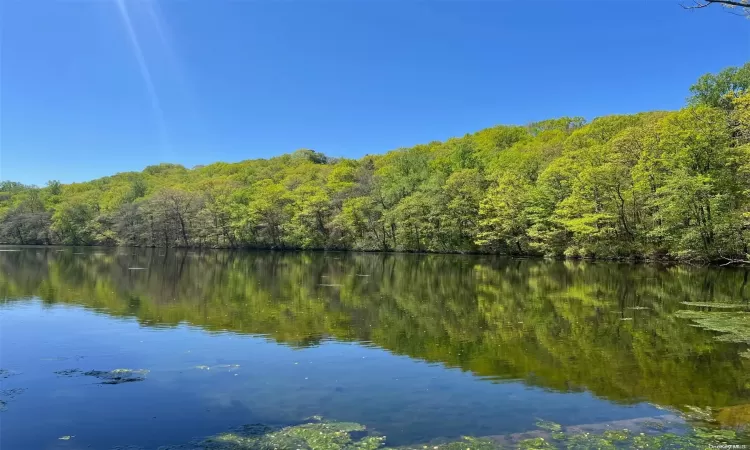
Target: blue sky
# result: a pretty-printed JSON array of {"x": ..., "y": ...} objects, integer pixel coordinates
[{"x": 94, "y": 87}]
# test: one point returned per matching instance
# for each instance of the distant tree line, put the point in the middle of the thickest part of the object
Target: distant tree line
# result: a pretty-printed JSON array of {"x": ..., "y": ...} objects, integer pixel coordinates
[{"x": 658, "y": 185}]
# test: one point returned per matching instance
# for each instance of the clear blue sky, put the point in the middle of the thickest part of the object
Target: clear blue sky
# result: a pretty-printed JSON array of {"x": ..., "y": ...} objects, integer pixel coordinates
[{"x": 86, "y": 95}]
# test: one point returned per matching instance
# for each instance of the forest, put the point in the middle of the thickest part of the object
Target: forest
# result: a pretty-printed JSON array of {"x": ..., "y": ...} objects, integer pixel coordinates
[{"x": 656, "y": 185}]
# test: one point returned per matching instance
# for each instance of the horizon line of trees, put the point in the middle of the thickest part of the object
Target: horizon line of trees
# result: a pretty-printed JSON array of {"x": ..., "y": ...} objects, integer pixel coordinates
[{"x": 656, "y": 185}]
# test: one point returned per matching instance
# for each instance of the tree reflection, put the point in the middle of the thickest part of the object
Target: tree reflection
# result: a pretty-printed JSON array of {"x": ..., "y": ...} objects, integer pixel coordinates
[{"x": 603, "y": 327}]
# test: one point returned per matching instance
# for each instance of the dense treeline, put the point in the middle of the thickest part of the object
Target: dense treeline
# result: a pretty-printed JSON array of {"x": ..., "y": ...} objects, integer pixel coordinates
[
  {"x": 659, "y": 184},
  {"x": 609, "y": 329}
]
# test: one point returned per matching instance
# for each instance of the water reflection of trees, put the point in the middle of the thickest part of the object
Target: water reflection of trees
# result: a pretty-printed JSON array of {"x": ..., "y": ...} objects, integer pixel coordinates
[{"x": 607, "y": 328}]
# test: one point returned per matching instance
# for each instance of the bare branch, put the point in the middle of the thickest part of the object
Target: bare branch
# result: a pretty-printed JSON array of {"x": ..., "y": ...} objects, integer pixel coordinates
[
  {"x": 695, "y": 5},
  {"x": 744, "y": 5},
  {"x": 733, "y": 261},
  {"x": 704, "y": 3}
]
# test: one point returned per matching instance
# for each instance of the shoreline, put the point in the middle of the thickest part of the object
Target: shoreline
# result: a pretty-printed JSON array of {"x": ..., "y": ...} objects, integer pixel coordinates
[{"x": 727, "y": 262}]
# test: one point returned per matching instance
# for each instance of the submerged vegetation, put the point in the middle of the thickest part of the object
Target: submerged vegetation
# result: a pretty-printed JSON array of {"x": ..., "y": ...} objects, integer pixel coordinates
[
  {"x": 317, "y": 435},
  {"x": 327, "y": 435},
  {"x": 658, "y": 185},
  {"x": 733, "y": 326},
  {"x": 117, "y": 376},
  {"x": 9, "y": 394},
  {"x": 731, "y": 321}
]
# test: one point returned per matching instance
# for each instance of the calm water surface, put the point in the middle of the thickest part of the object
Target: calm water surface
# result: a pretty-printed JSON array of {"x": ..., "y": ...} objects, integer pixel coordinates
[{"x": 416, "y": 347}]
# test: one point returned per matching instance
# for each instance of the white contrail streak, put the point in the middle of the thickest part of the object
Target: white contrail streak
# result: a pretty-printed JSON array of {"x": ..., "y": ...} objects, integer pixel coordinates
[{"x": 145, "y": 73}]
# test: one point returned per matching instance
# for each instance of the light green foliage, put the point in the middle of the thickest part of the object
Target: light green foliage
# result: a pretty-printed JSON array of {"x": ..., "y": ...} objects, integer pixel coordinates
[
  {"x": 661, "y": 184},
  {"x": 719, "y": 89}
]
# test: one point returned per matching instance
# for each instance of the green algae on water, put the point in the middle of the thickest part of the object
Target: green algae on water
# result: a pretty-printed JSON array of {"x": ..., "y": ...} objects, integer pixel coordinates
[
  {"x": 321, "y": 435},
  {"x": 734, "y": 326},
  {"x": 466, "y": 442},
  {"x": 717, "y": 305},
  {"x": 697, "y": 438},
  {"x": 549, "y": 426}
]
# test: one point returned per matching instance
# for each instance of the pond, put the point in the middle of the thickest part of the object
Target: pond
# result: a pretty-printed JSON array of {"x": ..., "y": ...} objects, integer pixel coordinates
[{"x": 416, "y": 348}]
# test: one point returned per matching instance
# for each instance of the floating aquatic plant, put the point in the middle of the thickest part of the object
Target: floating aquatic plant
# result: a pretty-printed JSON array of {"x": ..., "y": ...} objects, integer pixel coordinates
[
  {"x": 717, "y": 305},
  {"x": 117, "y": 376},
  {"x": 549, "y": 426},
  {"x": 320, "y": 434},
  {"x": 734, "y": 326},
  {"x": 697, "y": 438},
  {"x": 697, "y": 413}
]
